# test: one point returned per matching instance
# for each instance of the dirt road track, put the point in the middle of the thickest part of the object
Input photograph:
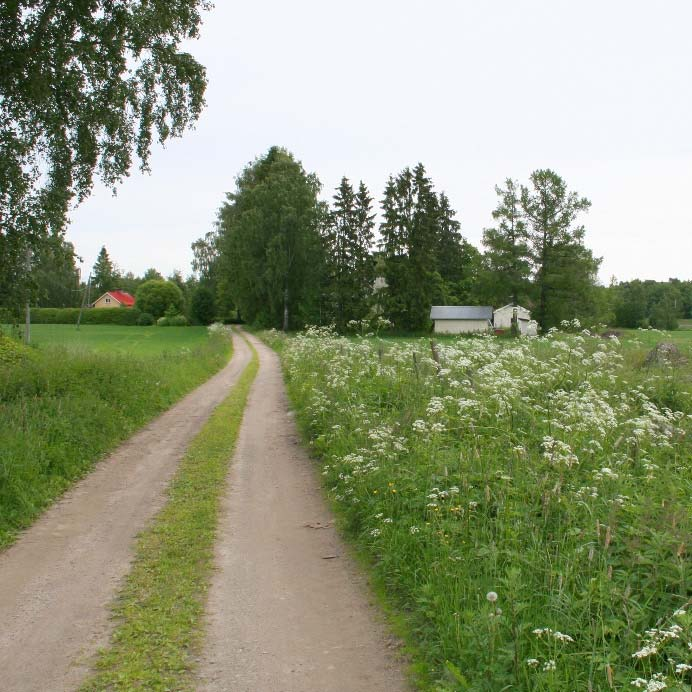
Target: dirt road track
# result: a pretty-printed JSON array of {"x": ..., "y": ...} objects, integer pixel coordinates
[
  {"x": 287, "y": 612},
  {"x": 56, "y": 582}
]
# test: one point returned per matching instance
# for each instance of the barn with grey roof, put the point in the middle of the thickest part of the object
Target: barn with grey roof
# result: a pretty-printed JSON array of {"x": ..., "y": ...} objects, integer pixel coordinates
[{"x": 461, "y": 319}]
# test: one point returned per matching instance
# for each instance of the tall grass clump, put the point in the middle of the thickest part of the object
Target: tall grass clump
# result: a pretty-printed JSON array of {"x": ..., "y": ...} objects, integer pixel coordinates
[
  {"x": 61, "y": 410},
  {"x": 527, "y": 504}
]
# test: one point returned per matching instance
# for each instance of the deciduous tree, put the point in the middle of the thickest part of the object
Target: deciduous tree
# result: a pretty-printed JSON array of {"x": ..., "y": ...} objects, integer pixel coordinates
[
  {"x": 270, "y": 252},
  {"x": 84, "y": 87},
  {"x": 159, "y": 297}
]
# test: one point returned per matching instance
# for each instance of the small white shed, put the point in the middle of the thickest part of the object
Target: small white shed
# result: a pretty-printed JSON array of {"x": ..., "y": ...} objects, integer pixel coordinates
[
  {"x": 461, "y": 319},
  {"x": 502, "y": 319}
]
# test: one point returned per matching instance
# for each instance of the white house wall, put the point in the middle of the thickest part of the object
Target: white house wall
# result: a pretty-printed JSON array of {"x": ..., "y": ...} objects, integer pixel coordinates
[{"x": 460, "y": 326}]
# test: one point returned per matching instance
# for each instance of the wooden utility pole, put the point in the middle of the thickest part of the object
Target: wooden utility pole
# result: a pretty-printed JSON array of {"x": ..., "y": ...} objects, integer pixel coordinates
[
  {"x": 85, "y": 300},
  {"x": 27, "y": 318}
]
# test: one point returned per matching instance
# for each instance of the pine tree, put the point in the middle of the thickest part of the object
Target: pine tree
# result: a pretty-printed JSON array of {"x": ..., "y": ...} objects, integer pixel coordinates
[
  {"x": 564, "y": 270},
  {"x": 507, "y": 274},
  {"x": 104, "y": 276}
]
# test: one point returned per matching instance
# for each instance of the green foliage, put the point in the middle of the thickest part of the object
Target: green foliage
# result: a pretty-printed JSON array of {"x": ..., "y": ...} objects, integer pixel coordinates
[
  {"x": 347, "y": 235},
  {"x": 12, "y": 352},
  {"x": 507, "y": 261},
  {"x": 145, "y": 320},
  {"x": 656, "y": 303},
  {"x": 156, "y": 296},
  {"x": 203, "y": 305},
  {"x": 565, "y": 270},
  {"x": 172, "y": 321},
  {"x": 83, "y": 87},
  {"x": 122, "y": 316},
  {"x": 424, "y": 257},
  {"x": 269, "y": 245},
  {"x": 161, "y": 607},
  {"x": 104, "y": 277},
  {"x": 55, "y": 276},
  {"x": 64, "y": 408},
  {"x": 528, "y": 506}
]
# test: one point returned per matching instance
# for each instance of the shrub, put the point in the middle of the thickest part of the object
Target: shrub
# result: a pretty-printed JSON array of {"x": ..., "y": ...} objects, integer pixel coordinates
[
  {"x": 12, "y": 352},
  {"x": 172, "y": 321},
  {"x": 156, "y": 297},
  {"x": 121, "y": 316},
  {"x": 203, "y": 305},
  {"x": 145, "y": 320}
]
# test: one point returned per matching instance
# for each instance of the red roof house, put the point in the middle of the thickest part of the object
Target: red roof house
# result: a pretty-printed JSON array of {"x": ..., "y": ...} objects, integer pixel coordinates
[{"x": 115, "y": 299}]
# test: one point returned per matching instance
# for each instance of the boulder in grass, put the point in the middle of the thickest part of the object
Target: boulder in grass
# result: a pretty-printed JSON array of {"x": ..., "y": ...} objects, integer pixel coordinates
[{"x": 665, "y": 353}]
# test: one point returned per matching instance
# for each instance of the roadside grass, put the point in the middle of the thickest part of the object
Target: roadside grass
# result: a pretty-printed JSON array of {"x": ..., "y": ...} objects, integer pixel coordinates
[
  {"x": 62, "y": 409},
  {"x": 160, "y": 608},
  {"x": 525, "y": 506},
  {"x": 107, "y": 338}
]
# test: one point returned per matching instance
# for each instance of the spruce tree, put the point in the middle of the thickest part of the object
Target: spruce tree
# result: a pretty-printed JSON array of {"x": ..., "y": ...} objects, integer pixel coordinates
[
  {"x": 424, "y": 276},
  {"x": 456, "y": 258},
  {"x": 409, "y": 246},
  {"x": 348, "y": 235},
  {"x": 104, "y": 275}
]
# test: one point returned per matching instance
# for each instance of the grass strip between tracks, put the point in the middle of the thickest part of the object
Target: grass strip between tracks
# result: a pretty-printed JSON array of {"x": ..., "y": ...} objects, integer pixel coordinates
[{"x": 160, "y": 609}]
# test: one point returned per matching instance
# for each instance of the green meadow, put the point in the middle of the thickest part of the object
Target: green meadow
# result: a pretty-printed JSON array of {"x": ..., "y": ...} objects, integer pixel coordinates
[
  {"x": 72, "y": 396},
  {"x": 137, "y": 341}
]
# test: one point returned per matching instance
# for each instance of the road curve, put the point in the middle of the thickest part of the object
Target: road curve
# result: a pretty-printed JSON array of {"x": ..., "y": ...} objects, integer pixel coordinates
[
  {"x": 57, "y": 581},
  {"x": 287, "y": 611}
]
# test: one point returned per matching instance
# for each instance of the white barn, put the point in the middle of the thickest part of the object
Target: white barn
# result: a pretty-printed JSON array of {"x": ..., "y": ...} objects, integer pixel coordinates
[
  {"x": 502, "y": 319},
  {"x": 461, "y": 319}
]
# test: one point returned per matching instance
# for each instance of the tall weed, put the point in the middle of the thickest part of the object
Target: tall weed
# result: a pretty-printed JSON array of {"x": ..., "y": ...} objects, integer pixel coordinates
[{"x": 527, "y": 503}]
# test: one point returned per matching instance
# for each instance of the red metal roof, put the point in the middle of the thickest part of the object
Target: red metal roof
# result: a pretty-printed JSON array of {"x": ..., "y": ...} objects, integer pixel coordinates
[{"x": 123, "y": 297}]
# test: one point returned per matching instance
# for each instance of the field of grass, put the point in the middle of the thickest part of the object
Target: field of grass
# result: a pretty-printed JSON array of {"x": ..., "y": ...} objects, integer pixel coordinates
[
  {"x": 107, "y": 338},
  {"x": 525, "y": 505},
  {"x": 63, "y": 406}
]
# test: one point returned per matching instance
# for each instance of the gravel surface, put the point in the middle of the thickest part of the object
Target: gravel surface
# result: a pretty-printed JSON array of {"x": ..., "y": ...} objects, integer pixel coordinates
[
  {"x": 57, "y": 581},
  {"x": 288, "y": 610}
]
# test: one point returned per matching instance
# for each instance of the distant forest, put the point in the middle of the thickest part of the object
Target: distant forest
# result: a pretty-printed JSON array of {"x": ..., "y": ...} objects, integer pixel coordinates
[{"x": 281, "y": 257}]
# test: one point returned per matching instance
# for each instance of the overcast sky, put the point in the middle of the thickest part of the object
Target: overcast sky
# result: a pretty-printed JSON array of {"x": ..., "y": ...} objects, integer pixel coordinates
[{"x": 598, "y": 90}]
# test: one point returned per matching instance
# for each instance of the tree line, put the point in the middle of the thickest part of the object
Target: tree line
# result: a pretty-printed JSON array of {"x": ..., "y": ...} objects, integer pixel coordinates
[
  {"x": 58, "y": 283},
  {"x": 283, "y": 258}
]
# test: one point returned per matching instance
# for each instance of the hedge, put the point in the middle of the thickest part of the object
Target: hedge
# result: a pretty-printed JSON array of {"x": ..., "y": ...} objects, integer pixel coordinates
[{"x": 122, "y": 316}]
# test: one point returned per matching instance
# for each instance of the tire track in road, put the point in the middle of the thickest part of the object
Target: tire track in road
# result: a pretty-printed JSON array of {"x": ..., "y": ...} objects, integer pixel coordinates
[
  {"x": 58, "y": 579},
  {"x": 281, "y": 617}
]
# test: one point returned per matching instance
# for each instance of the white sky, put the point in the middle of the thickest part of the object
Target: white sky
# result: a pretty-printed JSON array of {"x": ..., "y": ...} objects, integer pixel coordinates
[{"x": 598, "y": 90}]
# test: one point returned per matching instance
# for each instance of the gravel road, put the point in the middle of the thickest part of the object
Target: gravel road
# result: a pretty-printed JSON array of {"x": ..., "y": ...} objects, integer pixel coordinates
[
  {"x": 57, "y": 581},
  {"x": 288, "y": 611}
]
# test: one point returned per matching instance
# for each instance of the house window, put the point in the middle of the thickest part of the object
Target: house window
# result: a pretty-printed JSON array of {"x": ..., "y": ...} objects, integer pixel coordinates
[{"x": 108, "y": 300}]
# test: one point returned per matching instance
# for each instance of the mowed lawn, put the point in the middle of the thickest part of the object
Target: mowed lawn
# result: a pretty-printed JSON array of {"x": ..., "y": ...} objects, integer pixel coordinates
[{"x": 110, "y": 338}]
